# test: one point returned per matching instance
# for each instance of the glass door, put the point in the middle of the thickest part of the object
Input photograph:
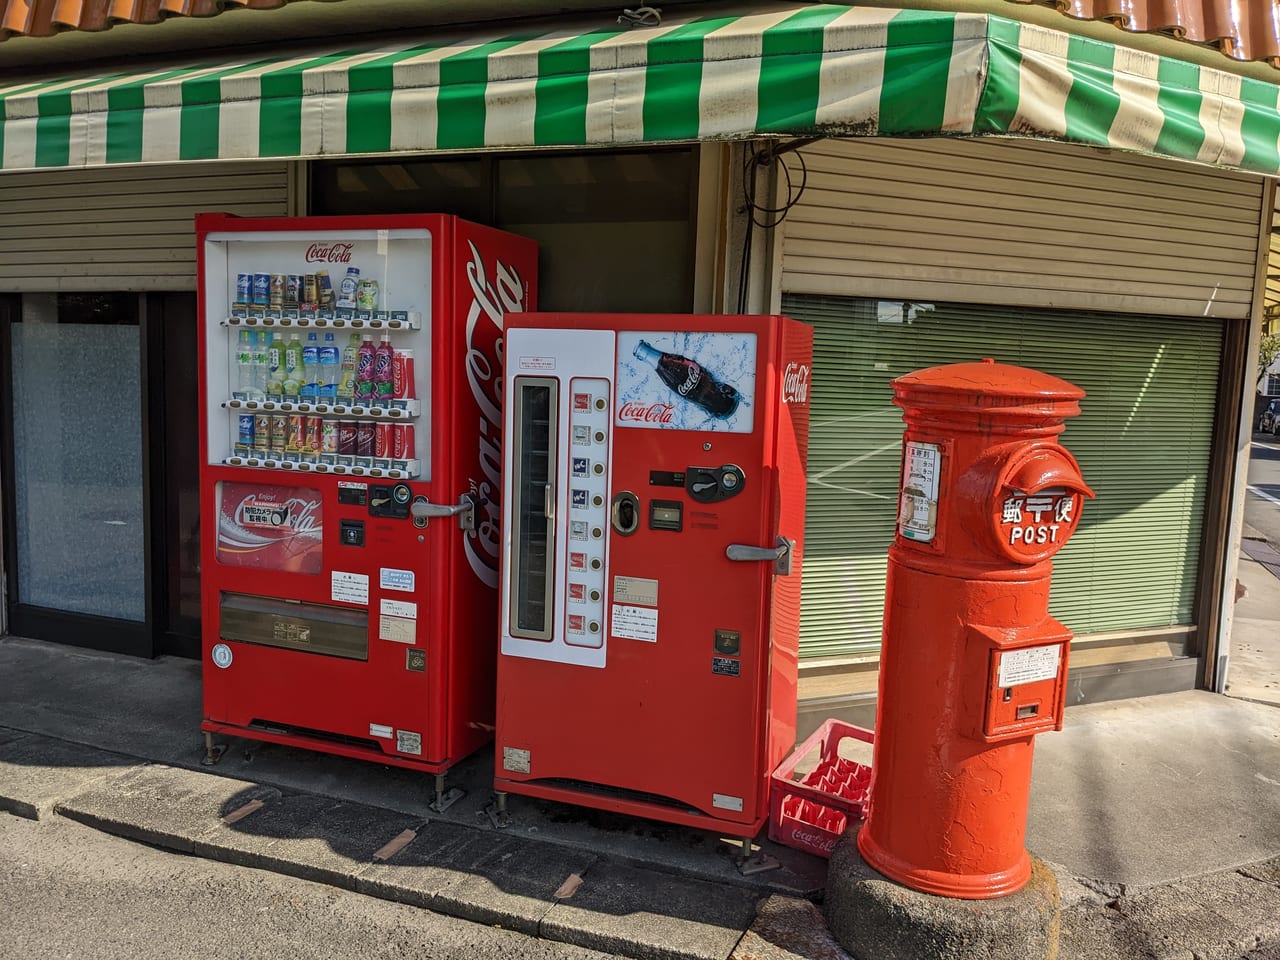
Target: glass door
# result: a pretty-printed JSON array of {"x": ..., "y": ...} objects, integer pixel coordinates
[
  {"x": 76, "y": 531},
  {"x": 98, "y": 445}
]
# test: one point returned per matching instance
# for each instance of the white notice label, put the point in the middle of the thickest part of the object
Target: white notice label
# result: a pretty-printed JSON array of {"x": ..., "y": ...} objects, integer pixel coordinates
[
  {"x": 399, "y": 608},
  {"x": 1029, "y": 665},
  {"x": 634, "y": 623},
  {"x": 380, "y": 730},
  {"x": 349, "y": 587},
  {"x": 397, "y": 629},
  {"x": 918, "y": 500},
  {"x": 537, "y": 363}
]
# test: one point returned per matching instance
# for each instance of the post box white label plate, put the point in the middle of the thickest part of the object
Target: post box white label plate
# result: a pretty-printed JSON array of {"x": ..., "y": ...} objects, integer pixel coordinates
[
  {"x": 1029, "y": 665},
  {"x": 918, "y": 501}
]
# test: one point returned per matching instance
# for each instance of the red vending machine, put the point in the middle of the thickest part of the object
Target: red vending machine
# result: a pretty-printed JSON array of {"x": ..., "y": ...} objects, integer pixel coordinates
[
  {"x": 351, "y": 450},
  {"x": 655, "y": 489}
]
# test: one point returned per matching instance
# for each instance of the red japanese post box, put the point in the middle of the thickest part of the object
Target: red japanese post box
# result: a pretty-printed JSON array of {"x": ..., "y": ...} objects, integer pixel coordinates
[{"x": 972, "y": 666}]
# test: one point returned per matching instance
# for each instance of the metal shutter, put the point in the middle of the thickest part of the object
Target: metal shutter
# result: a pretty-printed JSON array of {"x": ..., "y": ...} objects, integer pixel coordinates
[
  {"x": 1021, "y": 222},
  {"x": 1143, "y": 441},
  {"x": 124, "y": 229}
]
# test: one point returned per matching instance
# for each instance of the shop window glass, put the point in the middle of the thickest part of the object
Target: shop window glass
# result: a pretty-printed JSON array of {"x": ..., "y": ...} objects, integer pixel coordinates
[{"x": 615, "y": 229}]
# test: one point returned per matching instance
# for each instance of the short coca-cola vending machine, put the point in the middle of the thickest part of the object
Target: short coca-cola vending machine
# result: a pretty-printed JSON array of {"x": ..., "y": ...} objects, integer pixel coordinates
[
  {"x": 351, "y": 448},
  {"x": 655, "y": 491}
]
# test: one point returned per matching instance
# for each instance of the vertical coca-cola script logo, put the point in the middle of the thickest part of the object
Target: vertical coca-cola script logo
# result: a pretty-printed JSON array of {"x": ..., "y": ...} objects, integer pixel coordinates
[
  {"x": 795, "y": 383},
  {"x": 646, "y": 412},
  {"x": 329, "y": 253},
  {"x": 490, "y": 301}
]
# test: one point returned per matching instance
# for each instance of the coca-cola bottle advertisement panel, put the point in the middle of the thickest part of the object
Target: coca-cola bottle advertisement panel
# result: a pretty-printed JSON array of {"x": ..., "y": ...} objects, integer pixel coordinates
[
  {"x": 687, "y": 381},
  {"x": 268, "y": 527}
]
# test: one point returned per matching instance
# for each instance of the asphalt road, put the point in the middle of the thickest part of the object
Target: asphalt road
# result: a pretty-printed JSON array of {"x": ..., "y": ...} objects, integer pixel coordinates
[
  {"x": 1262, "y": 502},
  {"x": 69, "y": 891}
]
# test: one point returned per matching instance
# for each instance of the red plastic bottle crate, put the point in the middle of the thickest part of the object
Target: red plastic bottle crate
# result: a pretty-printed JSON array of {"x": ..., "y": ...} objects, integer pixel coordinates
[{"x": 812, "y": 813}]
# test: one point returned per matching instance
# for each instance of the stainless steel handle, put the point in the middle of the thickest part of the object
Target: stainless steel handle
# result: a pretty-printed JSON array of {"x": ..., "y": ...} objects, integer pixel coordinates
[
  {"x": 464, "y": 510},
  {"x": 780, "y": 554},
  {"x": 549, "y": 501}
]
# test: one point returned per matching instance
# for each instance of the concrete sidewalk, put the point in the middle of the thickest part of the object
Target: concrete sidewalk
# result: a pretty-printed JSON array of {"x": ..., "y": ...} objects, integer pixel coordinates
[{"x": 1161, "y": 816}]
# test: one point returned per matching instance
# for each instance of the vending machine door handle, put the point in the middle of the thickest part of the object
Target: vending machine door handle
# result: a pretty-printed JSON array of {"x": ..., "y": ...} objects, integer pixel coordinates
[
  {"x": 549, "y": 501},
  {"x": 464, "y": 510},
  {"x": 780, "y": 554}
]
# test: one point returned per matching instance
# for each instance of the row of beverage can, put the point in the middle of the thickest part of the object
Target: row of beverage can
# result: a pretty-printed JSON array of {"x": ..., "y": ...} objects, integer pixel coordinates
[
  {"x": 306, "y": 291},
  {"x": 322, "y": 440}
]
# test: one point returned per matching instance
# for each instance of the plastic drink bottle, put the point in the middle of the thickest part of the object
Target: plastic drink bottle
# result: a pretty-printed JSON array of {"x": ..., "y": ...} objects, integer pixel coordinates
[
  {"x": 275, "y": 369},
  {"x": 347, "y": 289},
  {"x": 329, "y": 362},
  {"x": 258, "y": 386},
  {"x": 293, "y": 372},
  {"x": 347, "y": 370},
  {"x": 244, "y": 365},
  {"x": 311, "y": 368},
  {"x": 383, "y": 375},
  {"x": 366, "y": 390}
]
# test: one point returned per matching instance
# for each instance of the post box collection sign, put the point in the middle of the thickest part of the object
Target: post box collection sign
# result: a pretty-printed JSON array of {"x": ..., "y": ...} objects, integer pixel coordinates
[{"x": 1033, "y": 526}]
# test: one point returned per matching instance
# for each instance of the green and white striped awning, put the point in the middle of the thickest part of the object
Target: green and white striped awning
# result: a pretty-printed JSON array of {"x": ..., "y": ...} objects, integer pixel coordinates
[{"x": 796, "y": 70}]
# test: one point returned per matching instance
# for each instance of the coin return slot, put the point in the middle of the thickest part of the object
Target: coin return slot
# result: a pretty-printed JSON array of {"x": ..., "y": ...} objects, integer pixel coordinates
[{"x": 1028, "y": 710}]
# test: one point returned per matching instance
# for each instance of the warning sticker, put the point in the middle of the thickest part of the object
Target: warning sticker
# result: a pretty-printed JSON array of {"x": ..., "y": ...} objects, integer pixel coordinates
[
  {"x": 635, "y": 623},
  {"x": 1029, "y": 665},
  {"x": 409, "y": 742},
  {"x": 349, "y": 587}
]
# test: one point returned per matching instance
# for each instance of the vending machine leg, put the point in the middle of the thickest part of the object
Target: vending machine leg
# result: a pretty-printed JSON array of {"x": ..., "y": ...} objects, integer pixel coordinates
[
  {"x": 497, "y": 811},
  {"x": 212, "y": 751},
  {"x": 444, "y": 800}
]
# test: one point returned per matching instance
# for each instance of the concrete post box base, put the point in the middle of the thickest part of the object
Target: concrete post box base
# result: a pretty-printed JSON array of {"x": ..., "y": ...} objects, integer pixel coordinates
[{"x": 875, "y": 918}]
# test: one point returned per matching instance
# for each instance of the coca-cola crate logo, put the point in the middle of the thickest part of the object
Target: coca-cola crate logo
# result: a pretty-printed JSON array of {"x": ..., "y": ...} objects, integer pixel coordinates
[
  {"x": 270, "y": 527},
  {"x": 329, "y": 253},
  {"x": 687, "y": 381}
]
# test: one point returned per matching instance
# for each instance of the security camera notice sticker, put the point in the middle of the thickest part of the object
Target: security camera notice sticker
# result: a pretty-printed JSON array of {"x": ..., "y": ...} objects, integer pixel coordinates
[
  {"x": 1029, "y": 665},
  {"x": 634, "y": 623},
  {"x": 918, "y": 502}
]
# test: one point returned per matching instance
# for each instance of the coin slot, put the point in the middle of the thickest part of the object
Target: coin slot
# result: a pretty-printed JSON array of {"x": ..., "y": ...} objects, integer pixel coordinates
[{"x": 626, "y": 513}]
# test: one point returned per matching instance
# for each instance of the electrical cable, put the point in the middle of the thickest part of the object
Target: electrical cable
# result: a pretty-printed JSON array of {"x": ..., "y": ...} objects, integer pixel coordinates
[{"x": 767, "y": 217}]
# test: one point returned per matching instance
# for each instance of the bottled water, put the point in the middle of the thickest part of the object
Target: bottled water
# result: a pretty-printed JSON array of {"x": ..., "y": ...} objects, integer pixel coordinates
[
  {"x": 311, "y": 368},
  {"x": 330, "y": 359},
  {"x": 260, "y": 365},
  {"x": 244, "y": 365}
]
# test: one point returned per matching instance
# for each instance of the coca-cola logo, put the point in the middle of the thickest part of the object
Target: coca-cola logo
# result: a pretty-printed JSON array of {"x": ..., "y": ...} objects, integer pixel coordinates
[
  {"x": 690, "y": 381},
  {"x": 795, "y": 383},
  {"x": 329, "y": 253},
  {"x": 484, "y": 365},
  {"x": 646, "y": 412},
  {"x": 814, "y": 841}
]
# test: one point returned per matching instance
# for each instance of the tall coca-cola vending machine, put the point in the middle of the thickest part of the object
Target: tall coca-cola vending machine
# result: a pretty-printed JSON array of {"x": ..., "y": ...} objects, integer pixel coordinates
[
  {"x": 351, "y": 449},
  {"x": 655, "y": 491}
]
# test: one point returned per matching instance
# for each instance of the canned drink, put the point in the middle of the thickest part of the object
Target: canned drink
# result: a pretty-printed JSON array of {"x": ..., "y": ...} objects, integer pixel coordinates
[
  {"x": 244, "y": 288},
  {"x": 365, "y": 443},
  {"x": 324, "y": 290},
  {"x": 402, "y": 442},
  {"x": 279, "y": 432},
  {"x": 247, "y": 430},
  {"x": 297, "y": 436},
  {"x": 292, "y": 289},
  {"x": 402, "y": 375},
  {"x": 310, "y": 290},
  {"x": 382, "y": 442},
  {"x": 314, "y": 430},
  {"x": 261, "y": 289},
  {"x": 367, "y": 294},
  {"x": 276, "y": 294},
  {"x": 347, "y": 430},
  {"x": 328, "y": 436},
  {"x": 262, "y": 432}
]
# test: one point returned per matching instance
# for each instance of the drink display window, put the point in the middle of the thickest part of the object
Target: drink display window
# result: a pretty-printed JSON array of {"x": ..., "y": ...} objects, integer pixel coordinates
[{"x": 317, "y": 354}]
